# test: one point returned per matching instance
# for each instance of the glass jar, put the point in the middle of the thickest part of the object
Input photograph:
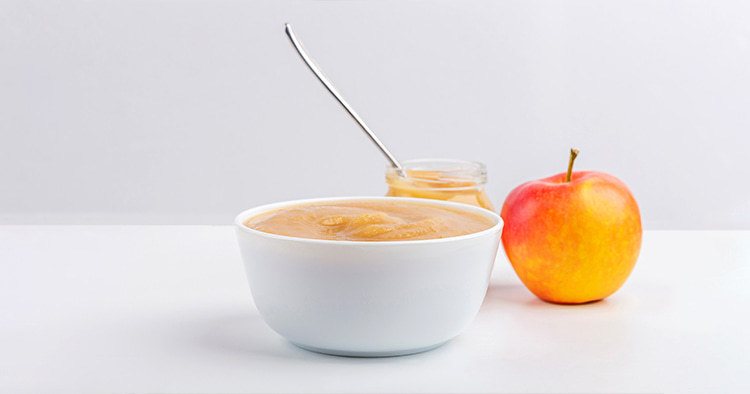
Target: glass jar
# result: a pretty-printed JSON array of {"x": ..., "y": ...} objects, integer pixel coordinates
[{"x": 441, "y": 179}]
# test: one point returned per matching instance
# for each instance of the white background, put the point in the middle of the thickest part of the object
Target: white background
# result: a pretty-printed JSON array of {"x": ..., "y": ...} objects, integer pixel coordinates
[
  {"x": 166, "y": 309},
  {"x": 190, "y": 111}
]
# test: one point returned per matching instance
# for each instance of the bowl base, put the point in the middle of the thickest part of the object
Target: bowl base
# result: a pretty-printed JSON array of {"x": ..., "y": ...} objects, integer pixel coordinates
[{"x": 390, "y": 353}]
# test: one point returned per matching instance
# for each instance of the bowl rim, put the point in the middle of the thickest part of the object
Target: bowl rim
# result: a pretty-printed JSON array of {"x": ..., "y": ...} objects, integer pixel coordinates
[{"x": 244, "y": 215}]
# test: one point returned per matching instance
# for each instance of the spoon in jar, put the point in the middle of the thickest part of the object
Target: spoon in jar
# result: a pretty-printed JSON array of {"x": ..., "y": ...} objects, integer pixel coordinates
[{"x": 329, "y": 86}]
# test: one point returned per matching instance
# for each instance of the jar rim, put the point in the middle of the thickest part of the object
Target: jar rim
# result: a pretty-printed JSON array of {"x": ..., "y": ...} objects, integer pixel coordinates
[{"x": 453, "y": 169}]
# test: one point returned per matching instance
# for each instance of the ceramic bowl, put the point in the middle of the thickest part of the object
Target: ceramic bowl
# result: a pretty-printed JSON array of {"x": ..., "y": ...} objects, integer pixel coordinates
[{"x": 368, "y": 299}]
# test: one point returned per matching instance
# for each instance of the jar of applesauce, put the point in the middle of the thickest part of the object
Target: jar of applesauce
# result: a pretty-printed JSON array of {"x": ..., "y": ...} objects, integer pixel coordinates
[{"x": 441, "y": 179}]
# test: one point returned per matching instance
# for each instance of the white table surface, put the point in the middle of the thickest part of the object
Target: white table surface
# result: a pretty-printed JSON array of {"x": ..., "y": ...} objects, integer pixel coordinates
[{"x": 167, "y": 309}]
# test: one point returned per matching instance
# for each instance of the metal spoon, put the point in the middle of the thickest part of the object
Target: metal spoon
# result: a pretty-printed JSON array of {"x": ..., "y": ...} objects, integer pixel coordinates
[{"x": 327, "y": 83}]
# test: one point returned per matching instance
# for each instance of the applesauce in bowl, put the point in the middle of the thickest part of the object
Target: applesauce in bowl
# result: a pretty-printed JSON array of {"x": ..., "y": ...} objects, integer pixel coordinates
[
  {"x": 373, "y": 220},
  {"x": 355, "y": 292}
]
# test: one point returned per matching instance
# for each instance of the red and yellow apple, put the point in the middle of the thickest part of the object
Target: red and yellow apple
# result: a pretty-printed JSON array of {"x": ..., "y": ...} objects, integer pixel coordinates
[{"x": 573, "y": 237}]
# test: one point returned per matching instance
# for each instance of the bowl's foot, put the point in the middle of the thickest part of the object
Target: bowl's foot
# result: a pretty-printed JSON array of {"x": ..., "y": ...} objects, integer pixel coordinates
[{"x": 389, "y": 353}]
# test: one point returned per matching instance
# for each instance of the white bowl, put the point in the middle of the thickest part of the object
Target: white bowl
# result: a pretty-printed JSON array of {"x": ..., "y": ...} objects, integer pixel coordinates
[{"x": 368, "y": 299}]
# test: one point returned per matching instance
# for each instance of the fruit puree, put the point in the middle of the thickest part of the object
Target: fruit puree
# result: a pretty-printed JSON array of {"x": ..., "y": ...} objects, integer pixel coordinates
[
  {"x": 369, "y": 221},
  {"x": 438, "y": 185}
]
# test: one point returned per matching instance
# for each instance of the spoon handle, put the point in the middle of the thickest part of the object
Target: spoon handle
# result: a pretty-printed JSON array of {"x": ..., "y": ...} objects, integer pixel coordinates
[{"x": 327, "y": 83}]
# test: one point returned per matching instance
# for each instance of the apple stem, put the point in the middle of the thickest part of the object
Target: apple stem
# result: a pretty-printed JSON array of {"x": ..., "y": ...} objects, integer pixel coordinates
[{"x": 573, "y": 154}]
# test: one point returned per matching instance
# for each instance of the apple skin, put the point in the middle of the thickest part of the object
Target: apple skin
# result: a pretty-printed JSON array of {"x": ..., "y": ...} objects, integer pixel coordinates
[{"x": 572, "y": 242}]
